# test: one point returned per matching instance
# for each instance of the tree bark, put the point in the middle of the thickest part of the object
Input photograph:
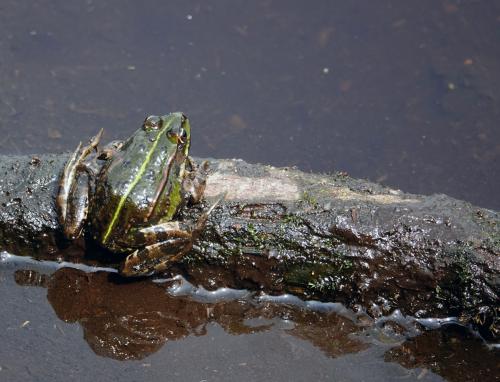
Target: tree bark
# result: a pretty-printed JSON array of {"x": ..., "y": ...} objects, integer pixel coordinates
[{"x": 327, "y": 237}]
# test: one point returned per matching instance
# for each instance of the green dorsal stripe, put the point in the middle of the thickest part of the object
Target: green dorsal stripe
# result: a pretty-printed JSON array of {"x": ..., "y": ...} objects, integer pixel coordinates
[{"x": 135, "y": 181}]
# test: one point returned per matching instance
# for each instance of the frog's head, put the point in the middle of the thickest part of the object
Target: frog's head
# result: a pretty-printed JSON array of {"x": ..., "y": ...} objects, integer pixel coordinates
[{"x": 170, "y": 133}]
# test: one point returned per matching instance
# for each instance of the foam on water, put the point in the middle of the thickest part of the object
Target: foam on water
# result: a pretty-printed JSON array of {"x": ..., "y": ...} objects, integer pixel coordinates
[
  {"x": 49, "y": 265},
  {"x": 182, "y": 287}
]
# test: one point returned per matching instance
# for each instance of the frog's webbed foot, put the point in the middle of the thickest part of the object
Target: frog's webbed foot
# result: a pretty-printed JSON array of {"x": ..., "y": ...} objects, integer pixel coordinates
[
  {"x": 73, "y": 194},
  {"x": 170, "y": 241}
]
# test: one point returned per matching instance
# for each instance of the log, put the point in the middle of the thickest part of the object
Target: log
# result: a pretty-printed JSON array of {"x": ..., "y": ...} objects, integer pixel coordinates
[{"x": 319, "y": 236}]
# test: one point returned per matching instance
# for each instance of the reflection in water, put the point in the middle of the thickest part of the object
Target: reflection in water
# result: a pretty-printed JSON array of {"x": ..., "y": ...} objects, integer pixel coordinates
[
  {"x": 130, "y": 320},
  {"x": 451, "y": 352}
]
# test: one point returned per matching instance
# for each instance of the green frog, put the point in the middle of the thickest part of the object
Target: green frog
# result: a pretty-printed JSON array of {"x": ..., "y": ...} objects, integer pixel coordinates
[{"x": 128, "y": 194}]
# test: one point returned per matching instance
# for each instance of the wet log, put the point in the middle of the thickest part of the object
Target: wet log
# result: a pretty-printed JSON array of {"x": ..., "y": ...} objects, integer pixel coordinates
[{"x": 319, "y": 236}]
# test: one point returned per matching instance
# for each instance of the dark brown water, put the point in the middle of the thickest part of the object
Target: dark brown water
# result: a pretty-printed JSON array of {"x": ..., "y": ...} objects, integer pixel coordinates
[{"x": 404, "y": 93}]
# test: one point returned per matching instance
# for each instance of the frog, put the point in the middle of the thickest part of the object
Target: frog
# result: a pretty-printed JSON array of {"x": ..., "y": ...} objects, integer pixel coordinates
[{"x": 127, "y": 195}]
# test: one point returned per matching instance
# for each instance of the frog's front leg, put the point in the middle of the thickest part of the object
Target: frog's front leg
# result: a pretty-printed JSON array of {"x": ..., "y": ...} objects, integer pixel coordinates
[
  {"x": 195, "y": 180},
  {"x": 164, "y": 244},
  {"x": 74, "y": 185}
]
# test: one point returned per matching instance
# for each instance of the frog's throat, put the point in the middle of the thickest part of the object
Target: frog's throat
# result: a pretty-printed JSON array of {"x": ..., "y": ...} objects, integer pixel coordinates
[{"x": 136, "y": 180}]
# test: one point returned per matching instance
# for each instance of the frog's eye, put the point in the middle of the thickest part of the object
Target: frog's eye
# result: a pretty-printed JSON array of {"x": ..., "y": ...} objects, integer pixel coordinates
[
  {"x": 177, "y": 135},
  {"x": 152, "y": 122},
  {"x": 183, "y": 135}
]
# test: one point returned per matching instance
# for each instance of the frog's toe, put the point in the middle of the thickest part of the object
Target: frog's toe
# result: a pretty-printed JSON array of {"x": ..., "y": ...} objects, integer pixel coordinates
[{"x": 134, "y": 266}]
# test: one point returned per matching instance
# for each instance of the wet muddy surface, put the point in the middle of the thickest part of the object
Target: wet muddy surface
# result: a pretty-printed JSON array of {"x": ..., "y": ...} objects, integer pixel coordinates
[{"x": 403, "y": 94}]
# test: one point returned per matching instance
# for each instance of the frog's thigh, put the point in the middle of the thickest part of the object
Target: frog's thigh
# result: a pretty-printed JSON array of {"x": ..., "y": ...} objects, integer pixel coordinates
[
  {"x": 159, "y": 232},
  {"x": 156, "y": 257},
  {"x": 73, "y": 194},
  {"x": 77, "y": 208}
]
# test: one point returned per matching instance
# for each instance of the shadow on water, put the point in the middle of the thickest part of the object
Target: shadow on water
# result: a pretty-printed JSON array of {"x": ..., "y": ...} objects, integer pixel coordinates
[
  {"x": 451, "y": 352},
  {"x": 127, "y": 320}
]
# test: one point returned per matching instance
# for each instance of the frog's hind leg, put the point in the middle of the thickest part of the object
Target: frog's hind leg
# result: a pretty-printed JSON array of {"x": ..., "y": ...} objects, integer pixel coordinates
[
  {"x": 162, "y": 245},
  {"x": 155, "y": 257},
  {"x": 165, "y": 244},
  {"x": 72, "y": 197}
]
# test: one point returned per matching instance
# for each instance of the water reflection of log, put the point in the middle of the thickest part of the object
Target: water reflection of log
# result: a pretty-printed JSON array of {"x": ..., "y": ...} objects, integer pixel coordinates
[
  {"x": 332, "y": 238},
  {"x": 130, "y": 320},
  {"x": 452, "y": 352}
]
